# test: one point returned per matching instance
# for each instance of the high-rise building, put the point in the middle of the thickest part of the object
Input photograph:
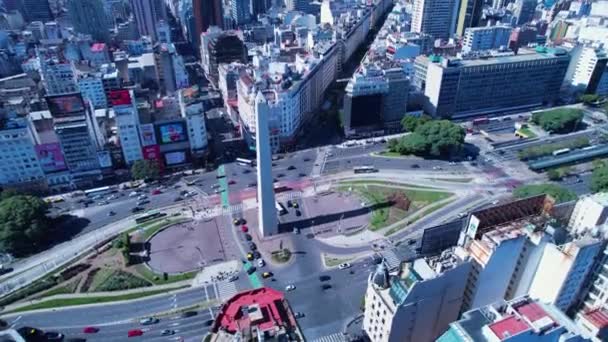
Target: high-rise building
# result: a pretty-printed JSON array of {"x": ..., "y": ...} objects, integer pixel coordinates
[
  {"x": 520, "y": 319},
  {"x": 147, "y": 13},
  {"x": 193, "y": 111},
  {"x": 19, "y": 165},
  {"x": 416, "y": 304},
  {"x": 525, "y": 11},
  {"x": 127, "y": 124},
  {"x": 589, "y": 212},
  {"x": 37, "y": 10},
  {"x": 587, "y": 72},
  {"x": 58, "y": 77},
  {"x": 469, "y": 15},
  {"x": 241, "y": 11},
  {"x": 89, "y": 17},
  {"x": 91, "y": 88},
  {"x": 260, "y": 6},
  {"x": 267, "y": 213},
  {"x": 485, "y": 38},
  {"x": 529, "y": 79},
  {"x": 435, "y": 17},
  {"x": 172, "y": 73},
  {"x": 206, "y": 13},
  {"x": 220, "y": 47},
  {"x": 596, "y": 293},
  {"x": 307, "y": 6}
]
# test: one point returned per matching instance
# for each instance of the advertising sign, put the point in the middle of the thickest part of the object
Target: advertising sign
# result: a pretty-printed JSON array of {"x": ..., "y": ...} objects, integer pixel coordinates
[
  {"x": 147, "y": 135},
  {"x": 173, "y": 158},
  {"x": 172, "y": 133},
  {"x": 50, "y": 157},
  {"x": 472, "y": 228},
  {"x": 104, "y": 158},
  {"x": 120, "y": 97},
  {"x": 151, "y": 152},
  {"x": 64, "y": 105}
]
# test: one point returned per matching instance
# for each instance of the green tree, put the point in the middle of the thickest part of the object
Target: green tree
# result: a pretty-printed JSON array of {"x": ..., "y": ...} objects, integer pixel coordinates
[
  {"x": 559, "y": 193},
  {"x": 144, "y": 169},
  {"x": 413, "y": 144},
  {"x": 554, "y": 175},
  {"x": 443, "y": 137},
  {"x": 599, "y": 179},
  {"x": 410, "y": 122},
  {"x": 393, "y": 145},
  {"x": 562, "y": 120},
  {"x": 588, "y": 98},
  {"x": 23, "y": 225}
]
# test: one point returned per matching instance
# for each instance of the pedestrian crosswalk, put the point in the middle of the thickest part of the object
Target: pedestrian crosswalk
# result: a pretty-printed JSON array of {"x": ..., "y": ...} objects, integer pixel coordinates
[
  {"x": 337, "y": 337},
  {"x": 225, "y": 290},
  {"x": 293, "y": 195},
  {"x": 391, "y": 259},
  {"x": 232, "y": 209}
]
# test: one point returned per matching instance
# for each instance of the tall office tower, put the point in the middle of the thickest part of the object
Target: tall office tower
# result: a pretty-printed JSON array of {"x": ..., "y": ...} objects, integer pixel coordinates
[
  {"x": 147, "y": 13},
  {"x": 58, "y": 77},
  {"x": 37, "y": 10},
  {"x": 416, "y": 304},
  {"x": 469, "y": 15},
  {"x": 89, "y": 17},
  {"x": 267, "y": 214},
  {"x": 219, "y": 47},
  {"x": 497, "y": 4},
  {"x": 241, "y": 11},
  {"x": 127, "y": 124},
  {"x": 531, "y": 78},
  {"x": 206, "y": 13},
  {"x": 307, "y": 6},
  {"x": 520, "y": 319},
  {"x": 19, "y": 169},
  {"x": 435, "y": 17},
  {"x": 11, "y": 5},
  {"x": 163, "y": 31},
  {"x": 486, "y": 38},
  {"x": 525, "y": 11}
]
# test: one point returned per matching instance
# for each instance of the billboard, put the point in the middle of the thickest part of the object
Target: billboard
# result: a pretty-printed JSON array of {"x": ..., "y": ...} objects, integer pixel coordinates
[
  {"x": 473, "y": 225},
  {"x": 439, "y": 238},
  {"x": 104, "y": 158},
  {"x": 174, "y": 158},
  {"x": 147, "y": 135},
  {"x": 120, "y": 97},
  {"x": 151, "y": 152},
  {"x": 172, "y": 132},
  {"x": 50, "y": 157},
  {"x": 64, "y": 105}
]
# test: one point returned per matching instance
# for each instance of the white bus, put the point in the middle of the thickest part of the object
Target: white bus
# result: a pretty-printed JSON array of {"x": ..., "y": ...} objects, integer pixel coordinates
[
  {"x": 561, "y": 151},
  {"x": 245, "y": 162},
  {"x": 99, "y": 191},
  {"x": 365, "y": 169},
  {"x": 280, "y": 209}
]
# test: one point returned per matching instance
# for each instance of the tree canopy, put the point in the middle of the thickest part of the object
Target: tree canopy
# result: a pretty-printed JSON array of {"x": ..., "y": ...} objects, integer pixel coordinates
[
  {"x": 436, "y": 138},
  {"x": 561, "y": 120},
  {"x": 559, "y": 193},
  {"x": 599, "y": 178},
  {"x": 23, "y": 224},
  {"x": 145, "y": 169},
  {"x": 410, "y": 122}
]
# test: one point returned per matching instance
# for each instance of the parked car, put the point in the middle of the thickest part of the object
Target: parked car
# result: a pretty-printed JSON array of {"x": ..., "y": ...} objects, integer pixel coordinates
[
  {"x": 250, "y": 256},
  {"x": 251, "y": 270},
  {"x": 326, "y": 286},
  {"x": 252, "y": 246},
  {"x": 267, "y": 275},
  {"x": 111, "y": 213},
  {"x": 244, "y": 229},
  {"x": 261, "y": 263},
  {"x": 156, "y": 192},
  {"x": 136, "y": 209},
  {"x": 135, "y": 333},
  {"x": 233, "y": 278},
  {"x": 209, "y": 322}
]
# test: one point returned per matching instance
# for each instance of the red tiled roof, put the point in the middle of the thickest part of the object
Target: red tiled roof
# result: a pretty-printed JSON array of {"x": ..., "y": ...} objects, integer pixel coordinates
[
  {"x": 233, "y": 316},
  {"x": 532, "y": 311},
  {"x": 597, "y": 317},
  {"x": 508, "y": 326}
]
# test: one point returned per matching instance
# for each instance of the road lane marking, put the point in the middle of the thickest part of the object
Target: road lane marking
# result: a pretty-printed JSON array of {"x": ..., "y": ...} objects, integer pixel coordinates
[{"x": 16, "y": 320}]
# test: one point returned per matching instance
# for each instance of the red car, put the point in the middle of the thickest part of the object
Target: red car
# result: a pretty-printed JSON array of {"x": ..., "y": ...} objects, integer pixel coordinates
[
  {"x": 135, "y": 333},
  {"x": 244, "y": 229},
  {"x": 156, "y": 192},
  {"x": 90, "y": 330},
  {"x": 231, "y": 182}
]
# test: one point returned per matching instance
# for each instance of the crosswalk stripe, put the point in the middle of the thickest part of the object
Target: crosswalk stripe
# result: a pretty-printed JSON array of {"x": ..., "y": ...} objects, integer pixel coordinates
[
  {"x": 226, "y": 290},
  {"x": 336, "y": 337},
  {"x": 391, "y": 259}
]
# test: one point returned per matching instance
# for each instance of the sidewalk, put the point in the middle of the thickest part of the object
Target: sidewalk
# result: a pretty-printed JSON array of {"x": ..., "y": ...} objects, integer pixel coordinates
[{"x": 210, "y": 274}]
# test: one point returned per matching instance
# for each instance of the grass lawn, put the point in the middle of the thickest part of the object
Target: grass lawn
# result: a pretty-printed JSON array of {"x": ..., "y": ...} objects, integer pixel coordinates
[
  {"x": 527, "y": 132},
  {"x": 383, "y": 215},
  {"x": 381, "y": 183},
  {"x": 157, "y": 279},
  {"x": 55, "y": 303},
  {"x": 67, "y": 288},
  {"x": 390, "y": 154},
  {"x": 418, "y": 216},
  {"x": 121, "y": 280},
  {"x": 100, "y": 277}
]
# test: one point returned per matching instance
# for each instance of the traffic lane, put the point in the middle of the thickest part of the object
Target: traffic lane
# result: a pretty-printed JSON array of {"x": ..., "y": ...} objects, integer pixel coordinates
[
  {"x": 580, "y": 185},
  {"x": 333, "y": 307},
  {"x": 118, "y": 312},
  {"x": 151, "y": 332},
  {"x": 339, "y": 165}
]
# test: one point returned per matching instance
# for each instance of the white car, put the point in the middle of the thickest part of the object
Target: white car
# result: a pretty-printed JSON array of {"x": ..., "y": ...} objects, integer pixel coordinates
[
  {"x": 344, "y": 266},
  {"x": 142, "y": 197},
  {"x": 133, "y": 194},
  {"x": 261, "y": 263},
  {"x": 290, "y": 287}
]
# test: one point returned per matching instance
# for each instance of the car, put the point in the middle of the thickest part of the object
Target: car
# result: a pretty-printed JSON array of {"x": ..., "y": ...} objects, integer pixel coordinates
[
  {"x": 111, "y": 213},
  {"x": 252, "y": 246},
  {"x": 133, "y": 194},
  {"x": 76, "y": 339},
  {"x": 167, "y": 332},
  {"x": 177, "y": 199},
  {"x": 324, "y": 277},
  {"x": 280, "y": 175},
  {"x": 296, "y": 205},
  {"x": 415, "y": 166},
  {"x": 411, "y": 242},
  {"x": 248, "y": 237},
  {"x": 231, "y": 182},
  {"x": 209, "y": 322},
  {"x": 298, "y": 213},
  {"x": 134, "y": 333},
  {"x": 244, "y": 229},
  {"x": 301, "y": 174},
  {"x": 251, "y": 270},
  {"x": 90, "y": 330},
  {"x": 261, "y": 263},
  {"x": 267, "y": 275},
  {"x": 156, "y": 192},
  {"x": 289, "y": 203},
  {"x": 236, "y": 221},
  {"x": 102, "y": 203},
  {"x": 306, "y": 159},
  {"x": 290, "y": 287},
  {"x": 187, "y": 314},
  {"x": 53, "y": 336},
  {"x": 233, "y": 278},
  {"x": 142, "y": 202},
  {"x": 148, "y": 321},
  {"x": 274, "y": 164},
  {"x": 252, "y": 185},
  {"x": 344, "y": 266},
  {"x": 250, "y": 256},
  {"x": 296, "y": 231},
  {"x": 257, "y": 255},
  {"x": 246, "y": 171},
  {"x": 142, "y": 197},
  {"x": 326, "y": 286},
  {"x": 299, "y": 315},
  {"x": 291, "y": 167}
]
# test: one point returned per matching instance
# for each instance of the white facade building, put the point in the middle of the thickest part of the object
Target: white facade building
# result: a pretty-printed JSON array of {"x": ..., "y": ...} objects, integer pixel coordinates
[
  {"x": 194, "y": 114},
  {"x": 589, "y": 212},
  {"x": 485, "y": 38},
  {"x": 587, "y": 71},
  {"x": 18, "y": 160},
  {"x": 127, "y": 124}
]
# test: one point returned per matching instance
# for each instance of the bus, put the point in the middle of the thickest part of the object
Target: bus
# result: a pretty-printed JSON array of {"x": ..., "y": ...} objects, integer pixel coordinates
[
  {"x": 561, "y": 151},
  {"x": 280, "y": 209},
  {"x": 151, "y": 215},
  {"x": 245, "y": 162},
  {"x": 365, "y": 169},
  {"x": 480, "y": 121},
  {"x": 99, "y": 191}
]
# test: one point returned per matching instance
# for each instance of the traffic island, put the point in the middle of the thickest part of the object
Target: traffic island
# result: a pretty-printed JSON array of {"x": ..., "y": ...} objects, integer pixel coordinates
[{"x": 281, "y": 256}]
